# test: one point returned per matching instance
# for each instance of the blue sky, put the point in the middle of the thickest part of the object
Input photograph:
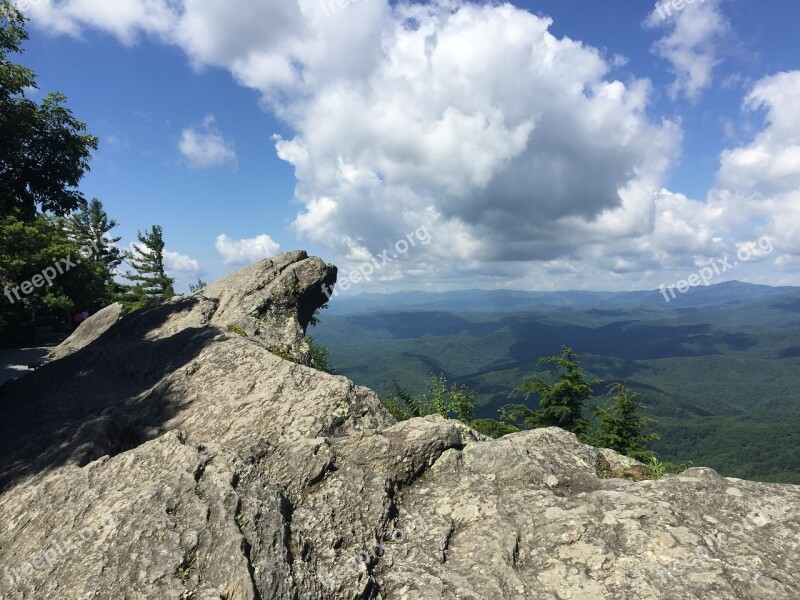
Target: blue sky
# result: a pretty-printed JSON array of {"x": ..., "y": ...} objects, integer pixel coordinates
[{"x": 607, "y": 149}]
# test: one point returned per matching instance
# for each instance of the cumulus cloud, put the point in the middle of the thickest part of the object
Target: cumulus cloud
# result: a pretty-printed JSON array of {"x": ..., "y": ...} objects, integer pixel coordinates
[
  {"x": 205, "y": 147},
  {"x": 174, "y": 262},
  {"x": 180, "y": 263},
  {"x": 483, "y": 126},
  {"x": 691, "y": 46},
  {"x": 243, "y": 252},
  {"x": 522, "y": 154},
  {"x": 771, "y": 163},
  {"x": 125, "y": 19}
]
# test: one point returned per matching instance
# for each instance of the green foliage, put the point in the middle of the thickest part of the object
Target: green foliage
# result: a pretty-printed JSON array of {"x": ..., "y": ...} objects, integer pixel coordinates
[
  {"x": 462, "y": 403},
  {"x": 39, "y": 256},
  {"x": 315, "y": 317},
  {"x": 492, "y": 428},
  {"x": 621, "y": 425},
  {"x": 88, "y": 228},
  {"x": 197, "y": 287},
  {"x": 561, "y": 403},
  {"x": 319, "y": 356},
  {"x": 657, "y": 468},
  {"x": 151, "y": 282},
  {"x": 183, "y": 570},
  {"x": 283, "y": 352},
  {"x": 719, "y": 380},
  {"x": 237, "y": 330},
  {"x": 403, "y": 405},
  {"x": 45, "y": 150},
  {"x": 450, "y": 402},
  {"x": 241, "y": 520}
]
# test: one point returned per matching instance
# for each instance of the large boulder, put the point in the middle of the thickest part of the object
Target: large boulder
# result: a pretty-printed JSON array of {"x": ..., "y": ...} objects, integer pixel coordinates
[
  {"x": 186, "y": 453},
  {"x": 88, "y": 331}
]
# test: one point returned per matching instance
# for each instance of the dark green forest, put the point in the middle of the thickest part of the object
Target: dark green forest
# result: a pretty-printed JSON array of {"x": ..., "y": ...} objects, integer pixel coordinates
[{"x": 719, "y": 373}]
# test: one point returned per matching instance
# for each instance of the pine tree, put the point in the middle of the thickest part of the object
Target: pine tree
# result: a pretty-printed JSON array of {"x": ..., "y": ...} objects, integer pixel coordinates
[
  {"x": 621, "y": 426},
  {"x": 151, "y": 282},
  {"x": 560, "y": 403},
  {"x": 88, "y": 228}
]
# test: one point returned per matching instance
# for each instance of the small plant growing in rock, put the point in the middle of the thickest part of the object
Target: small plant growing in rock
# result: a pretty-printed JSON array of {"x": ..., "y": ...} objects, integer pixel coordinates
[
  {"x": 281, "y": 352},
  {"x": 237, "y": 330},
  {"x": 182, "y": 571},
  {"x": 199, "y": 492},
  {"x": 241, "y": 520},
  {"x": 657, "y": 467},
  {"x": 262, "y": 310}
]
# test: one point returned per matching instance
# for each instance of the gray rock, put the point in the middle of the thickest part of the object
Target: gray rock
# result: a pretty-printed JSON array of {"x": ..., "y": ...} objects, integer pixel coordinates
[
  {"x": 173, "y": 457},
  {"x": 88, "y": 331}
]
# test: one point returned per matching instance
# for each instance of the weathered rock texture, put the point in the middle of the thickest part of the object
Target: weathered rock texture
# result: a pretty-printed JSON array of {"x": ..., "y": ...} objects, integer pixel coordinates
[
  {"x": 172, "y": 457},
  {"x": 88, "y": 331}
]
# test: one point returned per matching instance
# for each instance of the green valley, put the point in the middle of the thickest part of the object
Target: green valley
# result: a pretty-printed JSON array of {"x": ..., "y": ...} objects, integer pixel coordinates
[{"x": 719, "y": 368}]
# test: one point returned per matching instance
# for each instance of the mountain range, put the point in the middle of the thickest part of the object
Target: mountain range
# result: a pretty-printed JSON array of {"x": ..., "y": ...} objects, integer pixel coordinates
[{"x": 718, "y": 367}]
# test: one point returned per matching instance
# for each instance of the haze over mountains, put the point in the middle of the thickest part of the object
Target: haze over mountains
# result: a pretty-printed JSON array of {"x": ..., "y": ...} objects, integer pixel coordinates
[{"x": 719, "y": 366}]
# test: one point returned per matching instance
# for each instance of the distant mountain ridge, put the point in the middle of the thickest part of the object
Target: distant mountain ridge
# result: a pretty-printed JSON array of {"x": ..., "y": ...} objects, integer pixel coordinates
[
  {"x": 472, "y": 300},
  {"x": 719, "y": 366}
]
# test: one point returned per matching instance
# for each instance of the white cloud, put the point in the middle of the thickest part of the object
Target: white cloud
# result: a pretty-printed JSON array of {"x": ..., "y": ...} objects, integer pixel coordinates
[
  {"x": 507, "y": 143},
  {"x": 527, "y": 161},
  {"x": 691, "y": 46},
  {"x": 174, "y": 262},
  {"x": 122, "y": 18},
  {"x": 242, "y": 252},
  {"x": 180, "y": 263},
  {"x": 205, "y": 147},
  {"x": 771, "y": 163}
]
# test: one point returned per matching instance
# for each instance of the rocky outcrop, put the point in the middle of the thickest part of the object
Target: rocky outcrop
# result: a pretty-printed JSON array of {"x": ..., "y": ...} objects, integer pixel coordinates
[
  {"x": 181, "y": 455},
  {"x": 88, "y": 331}
]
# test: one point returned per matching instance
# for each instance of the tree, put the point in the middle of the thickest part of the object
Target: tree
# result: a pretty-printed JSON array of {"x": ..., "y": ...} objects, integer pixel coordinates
[
  {"x": 621, "y": 427},
  {"x": 45, "y": 150},
  {"x": 44, "y": 277},
  {"x": 151, "y": 282},
  {"x": 197, "y": 287},
  {"x": 89, "y": 228},
  {"x": 319, "y": 356},
  {"x": 560, "y": 403}
]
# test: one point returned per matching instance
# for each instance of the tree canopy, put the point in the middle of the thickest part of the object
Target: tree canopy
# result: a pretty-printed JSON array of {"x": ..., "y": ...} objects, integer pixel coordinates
[{"x": 44, "y": 149}]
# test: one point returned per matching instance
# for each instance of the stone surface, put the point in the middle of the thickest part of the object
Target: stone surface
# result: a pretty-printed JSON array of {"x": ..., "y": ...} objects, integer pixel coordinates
[
  {"x": 88, "y": 331},
  {"x": 173, "y": 457}
]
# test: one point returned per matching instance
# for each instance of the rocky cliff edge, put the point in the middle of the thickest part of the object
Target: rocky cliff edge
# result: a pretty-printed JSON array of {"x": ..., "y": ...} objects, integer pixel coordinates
[{"x": 186, "y": 451}]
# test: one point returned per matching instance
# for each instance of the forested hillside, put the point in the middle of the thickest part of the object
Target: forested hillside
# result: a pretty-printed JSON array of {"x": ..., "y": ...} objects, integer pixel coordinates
[{"x": 719, "y": 372}]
